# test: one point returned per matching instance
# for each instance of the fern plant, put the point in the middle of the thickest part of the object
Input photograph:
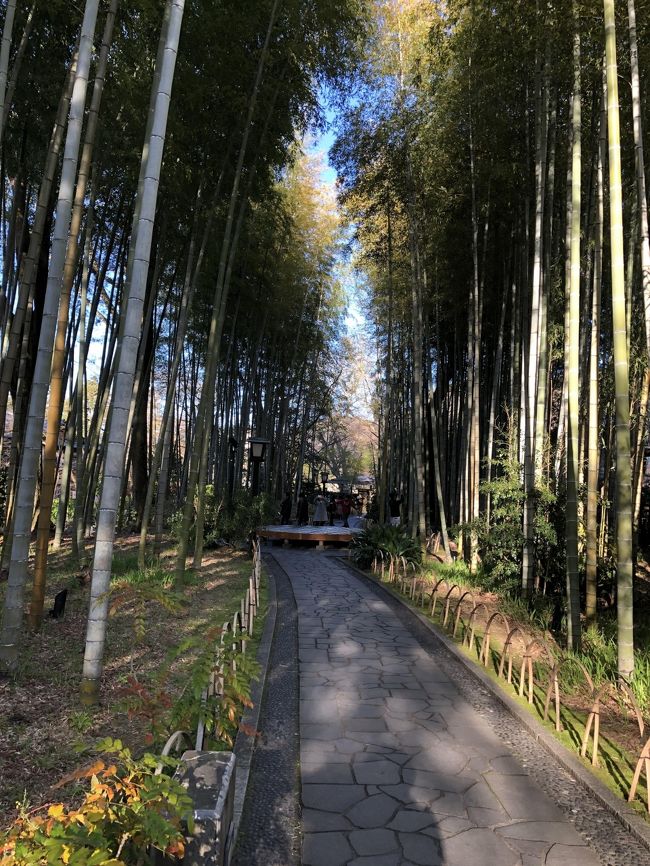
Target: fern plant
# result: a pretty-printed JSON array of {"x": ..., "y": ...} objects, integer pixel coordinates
[
  {"x": 165, "y": 712},
  {"x": 138, "y": 590}
]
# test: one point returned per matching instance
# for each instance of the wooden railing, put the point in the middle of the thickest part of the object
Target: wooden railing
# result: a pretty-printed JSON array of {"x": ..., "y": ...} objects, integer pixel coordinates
[{"x": 234, "y": 633}]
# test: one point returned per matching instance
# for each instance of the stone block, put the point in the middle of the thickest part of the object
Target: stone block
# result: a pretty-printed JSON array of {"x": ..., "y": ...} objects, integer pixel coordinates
[{"x": 209, "y": 778}]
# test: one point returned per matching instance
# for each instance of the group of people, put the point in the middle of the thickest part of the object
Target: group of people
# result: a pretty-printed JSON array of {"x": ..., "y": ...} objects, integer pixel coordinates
[{"x": 327, "y": 510}]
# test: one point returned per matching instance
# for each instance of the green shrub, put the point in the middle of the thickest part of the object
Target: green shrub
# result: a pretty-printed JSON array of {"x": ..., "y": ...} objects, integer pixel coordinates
[
  {"x": 128, "y": 812},
  {"x": 139, "y": 589},
  {"x": 641, "y": 680},
  {"x": 176, "y": 528},
  {"x": 230, "y": 525},
  {"x": 247, "y": 514},
  {"x": 378, "y": 542},
  {"x": 501, "y": 542}
]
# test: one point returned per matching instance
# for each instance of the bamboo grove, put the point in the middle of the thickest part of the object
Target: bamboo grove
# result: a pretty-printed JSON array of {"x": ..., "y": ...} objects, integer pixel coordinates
[
  {"x": 492, "y": 163},
  {"x": 168, "y": 284}
]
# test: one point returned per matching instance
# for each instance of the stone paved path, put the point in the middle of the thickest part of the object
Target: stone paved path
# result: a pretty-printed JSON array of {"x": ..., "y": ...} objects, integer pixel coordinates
[{"x": 397, "y": 768}]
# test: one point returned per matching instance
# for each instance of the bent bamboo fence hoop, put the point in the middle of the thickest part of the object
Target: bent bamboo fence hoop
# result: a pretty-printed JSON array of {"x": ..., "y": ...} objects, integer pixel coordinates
[
  {"x": 176, "y": 744},
  {"x": 643, "y": 764},
  {"x": 401, "y": 575},
  {"x": 458, "y": 609},
  {"x": 448, "y": 602},
  {"x": 594, "y": 718},
  {"x": 424, "y": 591},
  {"x": 507, "y": 651},
  {"x": 417, "y": 588},
  {"x": 527, "y": 666},
  {"x": 434, "y": 594},
  {"x": 406, "y": 565},
  {"x": 593, "y": 721},
  {"x": 554, "y": 688},
  {"x": 471, "y": 622},
  {"x": 629, "y": 694},
  {"x": 413, "y": 590},
  {"x": 391, "y": 570},
  {"x": 484, "y": 655}
]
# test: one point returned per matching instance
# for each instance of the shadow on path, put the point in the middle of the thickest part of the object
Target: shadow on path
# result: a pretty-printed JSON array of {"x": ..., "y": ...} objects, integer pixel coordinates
[
  {"x": 397, "y": 767},
  {"x": 405, "y": 758}
]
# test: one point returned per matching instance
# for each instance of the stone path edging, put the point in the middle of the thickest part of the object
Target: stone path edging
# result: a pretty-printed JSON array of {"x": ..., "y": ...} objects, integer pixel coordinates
[
  {"x": 569, "y": 762},
  {"x": 269, "y": 832},
  {"x": 244, "y": 743}
]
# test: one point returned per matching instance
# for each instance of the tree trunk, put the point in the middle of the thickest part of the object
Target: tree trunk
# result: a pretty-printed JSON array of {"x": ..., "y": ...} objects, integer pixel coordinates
[
  {"x": 5, "y": 50},
  {"x": 18, "y": 59},
  {"x": 56, "y": 395},
  {"x": 494, "y": 397},
  {"x": 591, "y": 577},
  {"x": 640, "y": 169},
  {"x": 530, "y": 458},
  {"x": 419, "y": 501},
  {"x": 382, "y": 493},
  {"x": 123, "y": 387},
  {"x": 573, "y": 392},
  {"x": 642, "y": 209},
  {"x": 13, "y": 337},
  {"x": 207, "y": 391},
  {"x": 18, "y": 568},
  {"x": 621, "y": 367},
  {"x": 474, "y": 433}
]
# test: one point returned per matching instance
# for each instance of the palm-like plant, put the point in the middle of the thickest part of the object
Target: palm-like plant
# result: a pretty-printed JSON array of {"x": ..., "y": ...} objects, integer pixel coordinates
[{"x": 388, "y": 544}]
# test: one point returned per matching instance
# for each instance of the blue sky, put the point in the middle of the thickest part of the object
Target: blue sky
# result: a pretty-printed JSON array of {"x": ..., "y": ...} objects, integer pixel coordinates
[{"x": 319, "y": 143}]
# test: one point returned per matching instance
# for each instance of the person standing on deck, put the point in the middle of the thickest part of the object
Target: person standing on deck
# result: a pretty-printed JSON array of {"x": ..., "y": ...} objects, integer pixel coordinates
[
  {"x": 285, "y": 510},
  {"x": 320, "y": 513},
  {"x": 303, "y": 510},
  {"x": 331, "y": 509},
  {"x": 346, "y": 508},
  {"x": 395, "y": 507}
]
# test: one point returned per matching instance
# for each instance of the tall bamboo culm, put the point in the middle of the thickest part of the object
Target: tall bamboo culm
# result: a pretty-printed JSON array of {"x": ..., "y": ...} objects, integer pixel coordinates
[
  {"x": 128, "y": 352},
  {"x": 621, "y": 364}
]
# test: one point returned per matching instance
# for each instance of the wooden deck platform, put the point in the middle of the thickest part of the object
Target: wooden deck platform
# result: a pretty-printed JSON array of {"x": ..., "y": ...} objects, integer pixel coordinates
[{"x": 314, "y": 534}]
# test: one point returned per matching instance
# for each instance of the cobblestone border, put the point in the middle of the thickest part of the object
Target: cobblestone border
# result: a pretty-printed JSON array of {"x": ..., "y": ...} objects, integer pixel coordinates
[
  {"x": 270, "y": 828},
  {"x": 244, "y": 743},
  {"x": 607, "y": 836}
]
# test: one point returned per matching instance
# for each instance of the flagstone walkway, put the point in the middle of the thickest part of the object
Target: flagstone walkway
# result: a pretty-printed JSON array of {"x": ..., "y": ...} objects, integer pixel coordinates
[{"x": 397, "y": 767}]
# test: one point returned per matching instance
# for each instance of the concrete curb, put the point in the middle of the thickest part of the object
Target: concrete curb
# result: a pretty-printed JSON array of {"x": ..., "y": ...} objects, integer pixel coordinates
[
  {"x": 632, "y": 822},
  {"x": 244, "y": 743}
]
